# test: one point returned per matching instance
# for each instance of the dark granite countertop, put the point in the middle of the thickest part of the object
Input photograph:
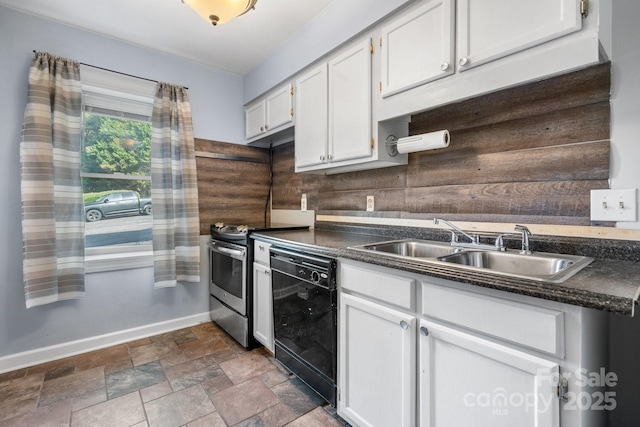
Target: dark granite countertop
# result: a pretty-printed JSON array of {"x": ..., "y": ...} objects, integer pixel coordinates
[{"x": 606, "y": 284}]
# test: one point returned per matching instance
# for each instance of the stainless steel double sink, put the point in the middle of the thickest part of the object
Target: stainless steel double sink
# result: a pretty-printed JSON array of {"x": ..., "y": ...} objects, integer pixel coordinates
[{"x": 540, "y": 266}]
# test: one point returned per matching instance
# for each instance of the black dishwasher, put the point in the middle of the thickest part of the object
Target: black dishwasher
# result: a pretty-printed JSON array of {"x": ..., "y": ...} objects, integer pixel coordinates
[{"x": 305, "y": 318}]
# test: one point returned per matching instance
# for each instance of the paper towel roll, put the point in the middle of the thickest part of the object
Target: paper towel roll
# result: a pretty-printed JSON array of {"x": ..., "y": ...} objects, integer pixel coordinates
[{"x": 425, "y": 141}]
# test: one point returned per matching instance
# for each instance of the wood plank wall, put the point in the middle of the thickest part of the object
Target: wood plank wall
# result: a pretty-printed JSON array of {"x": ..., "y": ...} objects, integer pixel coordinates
[
  {"x": 528, "y": 154},
  {"x": 233, "y": 188}
]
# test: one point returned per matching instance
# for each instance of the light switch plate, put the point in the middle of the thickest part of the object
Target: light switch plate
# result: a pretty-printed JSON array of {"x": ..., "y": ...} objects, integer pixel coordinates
[
  {"x": 303, "y": 203},
  {"x": 614, "y": 205},
  {"x": 369, "y": 203}
]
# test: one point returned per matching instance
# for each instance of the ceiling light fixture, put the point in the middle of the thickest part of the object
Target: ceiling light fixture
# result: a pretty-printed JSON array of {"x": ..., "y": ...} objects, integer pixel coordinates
[{"x": 220, "y": 11}]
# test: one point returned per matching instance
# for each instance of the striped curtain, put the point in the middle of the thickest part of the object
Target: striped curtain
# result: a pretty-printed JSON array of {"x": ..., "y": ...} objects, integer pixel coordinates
[
  {"x": 51, "y": 189},
  {"x": 174, "y": 191}
]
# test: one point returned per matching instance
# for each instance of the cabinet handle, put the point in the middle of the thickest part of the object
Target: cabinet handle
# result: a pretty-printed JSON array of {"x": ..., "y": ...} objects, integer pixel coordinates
[
  {"x": 330, "y": 157},
  {"x": 322, "y": 158},
  {"x": 403, "y": 324},
  {"x": 266, "y": 272},
  {"x": 463, "y": 61},
  {"x": 424, "y": 331},
  {"x": 261, "y": 248},
  {"x": 444, "y": 66},
  {"x": 266, "y": 127},
  {"x": 261, "y": 128}
]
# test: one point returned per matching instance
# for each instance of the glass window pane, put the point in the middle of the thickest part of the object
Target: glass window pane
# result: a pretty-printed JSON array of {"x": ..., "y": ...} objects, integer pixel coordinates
[
  {"x": 113, "y": 219},
  {"x": 116, "y": 146}
]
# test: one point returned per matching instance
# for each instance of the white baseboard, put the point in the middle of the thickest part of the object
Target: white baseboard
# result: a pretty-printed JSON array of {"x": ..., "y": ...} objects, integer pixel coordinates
[{"x": 72, "y": 348}]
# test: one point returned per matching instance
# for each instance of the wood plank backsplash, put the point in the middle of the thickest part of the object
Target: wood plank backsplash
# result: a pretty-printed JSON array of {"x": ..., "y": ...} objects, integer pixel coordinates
[
  {"x": 234, "y": 187},
  {"x": 527, "y": 154}
]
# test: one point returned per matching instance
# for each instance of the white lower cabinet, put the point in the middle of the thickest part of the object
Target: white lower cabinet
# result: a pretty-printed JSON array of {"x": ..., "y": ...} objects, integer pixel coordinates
[
  {"x": 415, "y": 350},
  {"x": 469, "y": 381},
  {"x": 262, "y": 296},
  {"x": 262, "y": 306},
  {"x": 378, "y": 364}
]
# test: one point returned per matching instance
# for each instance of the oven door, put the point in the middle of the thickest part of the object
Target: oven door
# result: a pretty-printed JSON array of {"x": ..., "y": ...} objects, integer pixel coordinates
[{"x": 228, "y": 281}]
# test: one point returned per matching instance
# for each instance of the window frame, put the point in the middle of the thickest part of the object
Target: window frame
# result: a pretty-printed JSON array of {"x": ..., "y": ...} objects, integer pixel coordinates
[{"x": 109, "y": 93}]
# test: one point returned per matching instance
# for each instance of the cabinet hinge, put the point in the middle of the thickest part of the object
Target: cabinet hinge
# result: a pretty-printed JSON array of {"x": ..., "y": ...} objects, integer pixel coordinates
[
  {"x": 373, "y": 143},
  {"x": 584, "y": 8},
  {"x": 291, "y": 112},
  {"x": 291, "y": 91},
  {"x": 372, "y": 48},
  {"x": 380, "y": 41},
  {"x": 563, "y": 389},
  {"x": 380, "y": 86}
]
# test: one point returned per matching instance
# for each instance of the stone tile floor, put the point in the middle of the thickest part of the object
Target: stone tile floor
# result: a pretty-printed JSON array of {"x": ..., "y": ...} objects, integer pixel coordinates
[{"x": 192, "y": 377}]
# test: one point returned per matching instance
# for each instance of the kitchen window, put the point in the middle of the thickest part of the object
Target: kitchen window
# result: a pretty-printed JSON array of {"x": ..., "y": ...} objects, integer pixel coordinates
[{"x": 116, "y": 170}]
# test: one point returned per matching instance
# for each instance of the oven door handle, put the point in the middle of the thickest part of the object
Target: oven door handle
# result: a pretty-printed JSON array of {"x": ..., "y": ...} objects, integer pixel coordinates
[{"x": 233, "y": 252}]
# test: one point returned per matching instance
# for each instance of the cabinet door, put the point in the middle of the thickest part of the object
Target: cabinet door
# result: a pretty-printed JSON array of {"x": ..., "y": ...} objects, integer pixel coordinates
[
  {"x": 262, "y": 306},
  {"x": 466, "y": 380},
  {"x": 350, "y": 104},
  {"x": 376, "y": 364},
  {"x": 311, "y": 118},
  {"x": 279, "y": 107},
  {"x": 491, "y": 29},
  {"x": 417, "y": 47},
  {"x": 254, "y": 119}
]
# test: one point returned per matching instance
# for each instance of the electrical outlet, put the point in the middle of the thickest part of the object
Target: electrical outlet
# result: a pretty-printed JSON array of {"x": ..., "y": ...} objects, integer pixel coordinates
[
  {"x": 303, "y": 203},
  {"x": 614, "y": 205},
  {"x": 369, "y": 203}
]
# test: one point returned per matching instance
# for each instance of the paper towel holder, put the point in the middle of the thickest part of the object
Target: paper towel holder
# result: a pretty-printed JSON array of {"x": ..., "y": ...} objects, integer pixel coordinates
[
  {"x": 391, "y": 144},
  {"x": 425, "y": 141}
]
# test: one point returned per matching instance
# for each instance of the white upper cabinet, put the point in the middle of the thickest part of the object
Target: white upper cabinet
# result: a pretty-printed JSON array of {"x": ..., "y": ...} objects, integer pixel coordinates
[
  {"x": 311, "y": 118},
  {"x": 417, "y": 47},
  {"x": 333, "y": 102},
  {"x": 481, "y": 46},
  {"x": 269, "y": 114},
  {"x": 279, "y": 107},
  {"x": 350, "y": 104},
  {"x": 334, "y": 129},
  {"x": 491, "y": 29},
  {"x": 255, "y": 117}
]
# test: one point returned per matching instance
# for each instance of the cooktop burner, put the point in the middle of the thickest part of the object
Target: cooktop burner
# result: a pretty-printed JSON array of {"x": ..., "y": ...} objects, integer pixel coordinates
[
  {"x": 220, "y": 227},
  {"x": 240, "y": 233}
]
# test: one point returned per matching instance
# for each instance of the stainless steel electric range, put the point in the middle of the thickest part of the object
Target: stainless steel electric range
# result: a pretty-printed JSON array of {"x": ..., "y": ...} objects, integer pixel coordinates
[{"x": 230, "y": 278}]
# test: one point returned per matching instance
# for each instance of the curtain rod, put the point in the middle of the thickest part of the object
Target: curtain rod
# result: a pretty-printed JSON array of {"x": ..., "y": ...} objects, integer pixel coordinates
[{"x": 117, "y": 72}]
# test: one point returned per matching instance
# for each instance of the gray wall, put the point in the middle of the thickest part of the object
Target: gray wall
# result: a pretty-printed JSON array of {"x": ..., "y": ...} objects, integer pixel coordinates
[
  {"x": 115, "y": 300},
  {"x": 624, "y": 332},
  {"x": 625, "y": 99}
]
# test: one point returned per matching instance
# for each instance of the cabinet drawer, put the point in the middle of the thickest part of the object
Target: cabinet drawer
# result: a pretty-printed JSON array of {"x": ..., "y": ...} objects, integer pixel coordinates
[
  {"x": 527, "y": 325},
  {"x": 387, "y": 288},
  {"x": 261, "y": 252}
]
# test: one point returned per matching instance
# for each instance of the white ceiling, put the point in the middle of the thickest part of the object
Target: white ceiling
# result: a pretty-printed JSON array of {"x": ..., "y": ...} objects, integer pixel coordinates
[{"x": 171, "y": 27}]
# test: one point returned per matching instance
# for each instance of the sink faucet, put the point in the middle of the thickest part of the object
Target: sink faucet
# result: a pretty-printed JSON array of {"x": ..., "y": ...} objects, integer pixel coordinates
[
  {"x": 454, "y": 236},
  {"x": 525, "y": 239},
  {"x": 474, "y": 239}
]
